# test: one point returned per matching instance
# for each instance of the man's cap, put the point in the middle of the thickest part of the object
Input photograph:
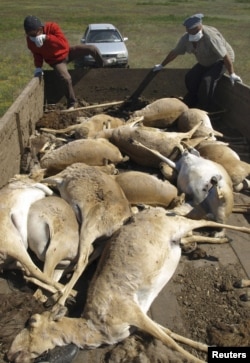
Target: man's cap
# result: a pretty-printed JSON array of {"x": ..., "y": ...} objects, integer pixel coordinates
[
  {"x": 193, "y": 21},
  {"x": 31, "y": 22}
]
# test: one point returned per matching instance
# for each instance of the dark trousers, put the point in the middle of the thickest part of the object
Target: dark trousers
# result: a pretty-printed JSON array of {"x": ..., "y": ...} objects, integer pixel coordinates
[
  {"x": 202, "y": 79},
  {"x": 75, "y": 52}
]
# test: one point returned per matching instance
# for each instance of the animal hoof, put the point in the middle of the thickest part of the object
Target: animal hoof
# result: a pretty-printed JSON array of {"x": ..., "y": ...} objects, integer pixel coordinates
[
  {"x": 52, "y": 300},
  {"x": 197, "y": 254},
  {"x": 64, "y": 354},
  {"x": 245, "y": 297},
  {"x": 238, "y": 284}
]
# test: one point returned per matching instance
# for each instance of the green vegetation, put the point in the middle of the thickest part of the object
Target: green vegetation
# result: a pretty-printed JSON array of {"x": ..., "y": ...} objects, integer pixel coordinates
[{"x": 152, "y": 27}]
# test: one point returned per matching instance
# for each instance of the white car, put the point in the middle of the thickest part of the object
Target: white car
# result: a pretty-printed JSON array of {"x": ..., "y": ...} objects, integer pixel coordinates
[{"x": 109, "y": 41}]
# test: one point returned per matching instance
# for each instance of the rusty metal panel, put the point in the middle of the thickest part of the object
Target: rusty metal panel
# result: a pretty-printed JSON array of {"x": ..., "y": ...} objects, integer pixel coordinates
[
  {"x": 17, "y": 124},
  {"x": 235, "y": 100}
]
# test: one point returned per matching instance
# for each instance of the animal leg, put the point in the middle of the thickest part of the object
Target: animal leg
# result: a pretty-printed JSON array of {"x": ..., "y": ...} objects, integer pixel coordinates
[
  {"x": 245, "y": 296},
  {"x": 142, "y": 321},
  {"x": 203, "y": 239},
  {"x": 53, "y": 258},
  {"x": 31, "y": 271},
  {"x": 208, "y": 223},
  {"x": 156, "y": 153},
  {"x": 55, "y": 274},
  {"x": 51, "y": 289},
  {"x": 242, "y": 283},
  {"x": 180, "y": 338},
  {"x": 81, "y": 264},
  {"x": 39, "y": 283},
  {"x": 41, "y": 280}
]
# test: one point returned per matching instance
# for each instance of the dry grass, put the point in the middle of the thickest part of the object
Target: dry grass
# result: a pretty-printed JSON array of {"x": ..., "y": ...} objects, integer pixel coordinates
[{"x": 152, "y": 27}]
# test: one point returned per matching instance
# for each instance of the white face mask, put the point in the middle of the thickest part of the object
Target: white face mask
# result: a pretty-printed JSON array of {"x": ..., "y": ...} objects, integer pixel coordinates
[
  {"x": 33, "y": 39},
  {"x": 195, "y": 37}
]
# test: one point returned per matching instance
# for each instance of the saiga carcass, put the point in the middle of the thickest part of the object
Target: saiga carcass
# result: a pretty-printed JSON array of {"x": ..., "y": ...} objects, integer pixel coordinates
[{"x": 138, "y": 260}]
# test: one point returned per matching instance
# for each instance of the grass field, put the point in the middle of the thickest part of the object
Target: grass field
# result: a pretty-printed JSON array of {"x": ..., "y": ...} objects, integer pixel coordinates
[{"x": 152, "y": 26}]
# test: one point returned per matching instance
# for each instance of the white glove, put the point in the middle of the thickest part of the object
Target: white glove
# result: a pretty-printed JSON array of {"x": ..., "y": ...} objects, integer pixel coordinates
[
  {"x": 157, "y": 67},
  {"x": 234, "y": 78},
  {"x": 38, "y": 72},
  {"x": 39, "y": 40}
]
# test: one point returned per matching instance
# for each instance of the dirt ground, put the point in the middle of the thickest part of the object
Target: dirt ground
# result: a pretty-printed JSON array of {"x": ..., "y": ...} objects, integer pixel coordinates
[{"x": 199, "y": 302}]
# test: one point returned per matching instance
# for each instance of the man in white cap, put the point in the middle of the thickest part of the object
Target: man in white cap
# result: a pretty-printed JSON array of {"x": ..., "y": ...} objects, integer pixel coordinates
[{"x": 213, "y": 54}]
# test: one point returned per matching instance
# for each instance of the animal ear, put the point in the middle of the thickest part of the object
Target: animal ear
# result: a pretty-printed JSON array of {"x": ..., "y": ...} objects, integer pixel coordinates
[{"x": 58, "y": 313}]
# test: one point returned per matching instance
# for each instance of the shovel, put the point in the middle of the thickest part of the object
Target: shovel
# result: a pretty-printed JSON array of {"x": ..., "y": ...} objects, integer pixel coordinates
[{"x": 135, "y": 95}]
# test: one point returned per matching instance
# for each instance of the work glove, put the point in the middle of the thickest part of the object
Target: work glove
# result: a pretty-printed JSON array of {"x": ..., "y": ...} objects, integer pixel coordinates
[
  {"x": 39, "y": 40},
  {"x": 38, "y": 72},
  {"x": 157, "y": 67},
  {"x": 234, "y": 78}
]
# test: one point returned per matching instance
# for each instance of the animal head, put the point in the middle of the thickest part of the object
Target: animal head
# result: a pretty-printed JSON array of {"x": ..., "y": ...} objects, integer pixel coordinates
[{"x": 36, "y": 338}]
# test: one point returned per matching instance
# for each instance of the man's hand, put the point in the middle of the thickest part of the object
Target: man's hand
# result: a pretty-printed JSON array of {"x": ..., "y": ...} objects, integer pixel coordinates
[
  {"x": 234, "y": 78},
  {"x": 157, "y": 67},
  {"x": 39, "y": 40},
  {"x": 38, "y": 72}
]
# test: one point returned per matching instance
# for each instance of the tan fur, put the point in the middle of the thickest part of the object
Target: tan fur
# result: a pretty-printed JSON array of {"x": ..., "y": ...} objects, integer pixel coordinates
[
  {"x": 162, "y": 112},
  {"x": 140, "y": 187},
  {"x": 135, "y": 265},
  {"x": 94, "y": 152},
  {"x": 193, "y": 116},
  {"x": 100, "y": 205},
  {"x": 169, "y": 173},
  {"x": 163, "y": 142},
  {"x": 89, "y": 127},
  {"x": 237, "y": 169},
  {"x": 53, "y": 235},
  {"x": 15, "y": 200}
]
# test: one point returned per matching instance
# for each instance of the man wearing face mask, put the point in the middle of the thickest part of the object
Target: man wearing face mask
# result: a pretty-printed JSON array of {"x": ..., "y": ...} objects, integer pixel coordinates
[
  {"x": 214, "y": 56},
  {"x": 48, "y": 43}
]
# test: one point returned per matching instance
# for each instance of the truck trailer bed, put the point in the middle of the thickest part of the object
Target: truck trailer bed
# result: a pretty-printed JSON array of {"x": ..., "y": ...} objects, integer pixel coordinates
[{"x": 200, "y": 301}]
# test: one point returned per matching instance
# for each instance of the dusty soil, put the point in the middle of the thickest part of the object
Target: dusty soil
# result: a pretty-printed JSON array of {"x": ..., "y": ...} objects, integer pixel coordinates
[{"x": 200, "y": 301}]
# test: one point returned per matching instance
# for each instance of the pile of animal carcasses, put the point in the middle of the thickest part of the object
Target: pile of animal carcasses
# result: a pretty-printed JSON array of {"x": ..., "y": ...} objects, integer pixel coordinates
[
  {"x": 156, "y": 176},
  {"x": 105, "y": 167}
]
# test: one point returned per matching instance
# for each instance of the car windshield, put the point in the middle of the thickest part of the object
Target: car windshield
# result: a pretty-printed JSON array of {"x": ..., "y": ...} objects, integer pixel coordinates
[{"x": 103, "y": 36}]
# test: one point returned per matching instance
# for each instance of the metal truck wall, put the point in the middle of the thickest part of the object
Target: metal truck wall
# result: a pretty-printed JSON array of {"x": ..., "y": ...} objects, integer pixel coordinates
[
  {"x": 235, "y": 100},
  {"x": 90, "y": 85},
  {"x": 17, "y": 124}
]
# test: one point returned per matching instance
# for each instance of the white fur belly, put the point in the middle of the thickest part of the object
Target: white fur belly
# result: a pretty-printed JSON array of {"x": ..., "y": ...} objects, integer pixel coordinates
[{"x": 146, "y": 294}]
